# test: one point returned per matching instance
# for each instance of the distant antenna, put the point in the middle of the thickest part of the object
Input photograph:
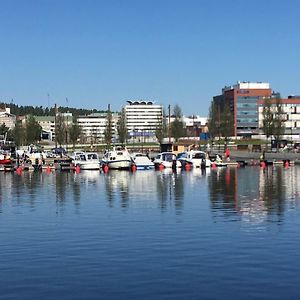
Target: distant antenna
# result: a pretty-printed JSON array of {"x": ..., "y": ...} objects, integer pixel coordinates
[{"x": 48, "y": 98}]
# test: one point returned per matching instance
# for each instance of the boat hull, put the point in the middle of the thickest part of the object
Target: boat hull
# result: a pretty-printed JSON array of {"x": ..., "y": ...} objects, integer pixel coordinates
[
  {"x": 89, "y": 166},
  {"x": 119, "y": 164}
]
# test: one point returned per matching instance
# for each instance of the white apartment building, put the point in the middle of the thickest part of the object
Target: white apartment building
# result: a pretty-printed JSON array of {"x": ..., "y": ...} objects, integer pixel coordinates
[
  {"x": 291, "y": 110},
  {"x": 48, "y": 126},
  {"x": 7, "y": 118},
  {"x": 94, "y": 125},
  {"x": 143, "y": 118}
]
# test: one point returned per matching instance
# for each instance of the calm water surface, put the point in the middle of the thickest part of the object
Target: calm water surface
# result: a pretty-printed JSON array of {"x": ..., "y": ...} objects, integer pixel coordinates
[{"x": 225, "y": 234}]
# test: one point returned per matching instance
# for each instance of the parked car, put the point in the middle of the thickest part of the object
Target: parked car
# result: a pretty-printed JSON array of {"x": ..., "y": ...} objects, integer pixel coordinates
[
  {"x": 59, "y": 151},
  {"x": 49, "y": 153}
]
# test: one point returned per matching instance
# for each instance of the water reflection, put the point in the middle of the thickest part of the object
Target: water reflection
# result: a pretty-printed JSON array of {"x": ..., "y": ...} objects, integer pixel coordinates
[
  {"x": 248, "y": 194},
  {"x": 253, "y": 194},
  {"x": 169, "y": 186}
]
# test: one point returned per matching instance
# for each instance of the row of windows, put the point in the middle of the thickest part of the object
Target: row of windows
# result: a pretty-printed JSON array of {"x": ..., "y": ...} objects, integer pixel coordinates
[
  {"x": 247, "y": 114},
  {"x": 245, "y": 105},
  {"x": 247, "y": 99},
  {"x": 247, "y": 120}
]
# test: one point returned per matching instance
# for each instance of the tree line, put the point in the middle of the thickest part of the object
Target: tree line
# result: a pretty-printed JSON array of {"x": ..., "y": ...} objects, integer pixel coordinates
[{"x": 45, "y": 111}]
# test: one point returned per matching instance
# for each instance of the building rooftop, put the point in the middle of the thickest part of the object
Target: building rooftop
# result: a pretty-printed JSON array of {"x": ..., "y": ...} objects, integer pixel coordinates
[
  {"x": 243, "y": 85},
  {"x": 141, "y": 102}
]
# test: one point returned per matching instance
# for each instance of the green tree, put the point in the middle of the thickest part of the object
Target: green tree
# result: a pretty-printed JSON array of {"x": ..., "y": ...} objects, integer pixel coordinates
[
  {"x": 268, "y": 124},
  {"x": 214, "y": 121},
  {"x": 18, "y": 135},
  {"x": 60, "y": 129},
  {"x": 108, "y": 128},
  {"x": 33, "y": 130},
  {"x": 3, "y": 129},
  {"x": 122, "y": 127},
  {"x": 74, "y": 132},
  {"x": 278, "y": 121},
  {"x": 226, "y": 119},
  {"x": 161, "y": 128},
  {"x": 177, "y": 126}
]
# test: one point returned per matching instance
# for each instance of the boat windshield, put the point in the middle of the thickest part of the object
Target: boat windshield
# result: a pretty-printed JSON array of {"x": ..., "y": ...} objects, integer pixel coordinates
[
  {"x": 199, "y": 155},
  {"x": 182, "y": 155},
  {"x": 92, "y": 156},
  {"x": 82, "y": 157},
  {"x": 168, "y": 157}
]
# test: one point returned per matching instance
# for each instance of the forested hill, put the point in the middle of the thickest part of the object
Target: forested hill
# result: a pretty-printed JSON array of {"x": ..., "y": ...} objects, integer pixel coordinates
[{"x": 45, "y": 111}]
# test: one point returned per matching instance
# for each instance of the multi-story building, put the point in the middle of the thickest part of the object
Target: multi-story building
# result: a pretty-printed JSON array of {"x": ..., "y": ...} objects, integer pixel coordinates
[
  {"x": 143, "y": 118},
  {"x": 242, "y": 100},
  {"x": 94, "y": 125},
  {"x": 48, "y": 126},
  {"x": 291, "y": 110},
  {"x": 6, "y": 118}
]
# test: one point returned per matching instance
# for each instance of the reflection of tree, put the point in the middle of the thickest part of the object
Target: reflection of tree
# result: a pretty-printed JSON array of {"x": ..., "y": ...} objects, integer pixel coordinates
[
  {"x": 116, "y": 182},
  {"x": 223, "y": 190},
  {"x": 273, "y": 191},
  {"x": 109, "y": 190},
  {"x": 170, "y": 186},
  {"x": 163, "y": 190},
  {"x": 32, "y": 181},
  {"x": 178, "y": 192},
  {"x": 76, "y": 192},
  {"x": 62, "y": 181}
]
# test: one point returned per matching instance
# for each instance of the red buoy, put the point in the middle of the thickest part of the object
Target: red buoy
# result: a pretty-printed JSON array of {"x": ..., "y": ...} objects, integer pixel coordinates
[
  {"x": 188, "y": 167},
  {"x": 213, "y": 165},
  {"x": 161, "y": 167},
  {"x": 263, "y": 164},
  {"x": 105, "y": 168},
  {"x": 133, "y": 167},
  {"x": 77, "y": 169},
  {"x": 19, "y": 170},
  {"x": 286, "y": 164}
]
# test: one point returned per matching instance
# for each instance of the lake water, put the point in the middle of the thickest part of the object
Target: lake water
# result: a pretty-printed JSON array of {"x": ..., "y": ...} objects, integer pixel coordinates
[{"x": 224, "y": 234}]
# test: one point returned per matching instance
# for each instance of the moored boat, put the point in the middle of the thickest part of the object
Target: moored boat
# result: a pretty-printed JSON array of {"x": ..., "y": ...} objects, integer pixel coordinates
[
  {"x": 142, "y": 161},
  {"x": 195, "y": 158},
  {"x": 117, "y": 158},
  {"x": 87, "y": 161},
  {"x": 166, "y": 160}
]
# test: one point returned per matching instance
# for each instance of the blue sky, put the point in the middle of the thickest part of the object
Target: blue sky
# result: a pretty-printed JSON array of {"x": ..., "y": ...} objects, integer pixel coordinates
[{"x": 172, "y": 52}]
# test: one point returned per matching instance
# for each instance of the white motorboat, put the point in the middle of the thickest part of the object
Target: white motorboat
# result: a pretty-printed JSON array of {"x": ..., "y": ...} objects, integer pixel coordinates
[
  {"x": 166, "y": 160},
  {"x": 117, "y": 158},
  {"x": 87, "y": 161},
  {"x": 142, "y": 161},
  {"x": 216, "y": 161},
  {"x": 195, "y": 158}
]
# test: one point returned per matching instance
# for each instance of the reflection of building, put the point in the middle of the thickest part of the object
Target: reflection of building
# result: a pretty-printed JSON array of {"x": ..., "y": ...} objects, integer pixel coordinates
[
  {"x": 143, "y": 118},
  {"x": 242, "y": 101},
  {"x": 253, "y": 194}
]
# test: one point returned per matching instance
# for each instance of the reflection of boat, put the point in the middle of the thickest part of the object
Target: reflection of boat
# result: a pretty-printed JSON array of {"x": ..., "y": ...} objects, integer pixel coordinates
[
  {"x": 196, "y": 158},
  {"x": 117, "y": 158},
  {"x": 142, "y": 161},
  {"x": 87, "y": 161},
  {"x": 166, "y": 160}
]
